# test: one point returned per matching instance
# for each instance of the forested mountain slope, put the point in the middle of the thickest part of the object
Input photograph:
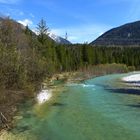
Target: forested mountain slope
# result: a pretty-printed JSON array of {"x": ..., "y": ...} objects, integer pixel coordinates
[{"x": 128, "y": 34}]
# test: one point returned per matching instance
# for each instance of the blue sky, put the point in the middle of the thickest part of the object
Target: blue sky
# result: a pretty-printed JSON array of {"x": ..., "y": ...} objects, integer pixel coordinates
[{"x": 84, "y": 20}]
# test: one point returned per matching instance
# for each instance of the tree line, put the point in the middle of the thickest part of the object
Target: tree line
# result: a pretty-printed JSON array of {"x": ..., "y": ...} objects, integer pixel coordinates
[{"x": 26, "y": 58}]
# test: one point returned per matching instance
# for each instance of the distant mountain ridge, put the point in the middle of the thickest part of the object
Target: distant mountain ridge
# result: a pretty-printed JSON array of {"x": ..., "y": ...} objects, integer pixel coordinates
[{"x": 128, "y": 34}]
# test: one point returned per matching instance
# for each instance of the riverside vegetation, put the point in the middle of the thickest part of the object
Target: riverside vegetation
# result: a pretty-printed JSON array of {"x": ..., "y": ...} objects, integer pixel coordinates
[{"x": 26, "y": 59}]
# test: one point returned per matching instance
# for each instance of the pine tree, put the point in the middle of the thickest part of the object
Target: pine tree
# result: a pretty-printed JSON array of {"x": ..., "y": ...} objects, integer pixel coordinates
[
  {"x": 28, "y": 31},
  {"x": 43, "y": 31}
]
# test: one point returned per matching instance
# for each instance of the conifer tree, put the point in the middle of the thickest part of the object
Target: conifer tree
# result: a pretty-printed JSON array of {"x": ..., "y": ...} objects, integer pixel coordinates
[{"x": 43, "y": 31}]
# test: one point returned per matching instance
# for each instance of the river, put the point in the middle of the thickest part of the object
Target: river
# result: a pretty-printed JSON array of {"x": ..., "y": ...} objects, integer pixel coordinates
[{"x": 102, "y": 108}]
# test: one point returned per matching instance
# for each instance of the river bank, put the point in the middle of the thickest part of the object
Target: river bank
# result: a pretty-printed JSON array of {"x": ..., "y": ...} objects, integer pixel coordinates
[
  {"x": 10, "y": 107},
  {"x": 82, "y": 110},
  {"x": 133, "y": 80}
]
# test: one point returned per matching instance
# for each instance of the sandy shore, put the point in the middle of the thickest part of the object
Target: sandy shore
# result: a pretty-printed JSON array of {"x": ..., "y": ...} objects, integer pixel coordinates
[
  {"x": 44, "y": 96},
  {"x": 132, "y": 79}
]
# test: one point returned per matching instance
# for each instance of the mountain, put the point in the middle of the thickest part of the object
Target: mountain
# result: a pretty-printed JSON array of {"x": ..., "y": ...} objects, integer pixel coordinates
[
  {"x": 59, "y": 39},
  {"x": 128, "y": 34},
  {"x": 18, "y": 34},
  {"x": 12, "y": 32}
]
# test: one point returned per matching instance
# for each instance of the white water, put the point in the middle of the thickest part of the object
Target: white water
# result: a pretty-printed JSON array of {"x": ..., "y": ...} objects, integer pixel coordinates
[
  {"x": 44, "y": 96},
  {"x": 83, "y": 85}
]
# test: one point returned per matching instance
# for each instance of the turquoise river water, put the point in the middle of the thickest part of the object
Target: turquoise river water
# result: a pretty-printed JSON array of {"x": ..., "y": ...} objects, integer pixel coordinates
[{"x": 101, "y": 108}]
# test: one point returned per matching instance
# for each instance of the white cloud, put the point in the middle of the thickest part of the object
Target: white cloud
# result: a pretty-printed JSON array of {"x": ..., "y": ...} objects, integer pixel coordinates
[
  {"x": 81, "y": 34},
  {"x": 9, "y": 1},
  {"x": 25, "y": 22}
]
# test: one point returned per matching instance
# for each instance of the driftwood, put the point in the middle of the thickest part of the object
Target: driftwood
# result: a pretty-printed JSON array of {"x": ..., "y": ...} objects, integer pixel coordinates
[{"x": 4, "y": 121}]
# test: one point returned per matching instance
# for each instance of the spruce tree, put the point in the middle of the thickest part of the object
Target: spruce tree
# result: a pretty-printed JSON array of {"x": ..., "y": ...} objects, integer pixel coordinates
[{"x": 43, "y": 31}]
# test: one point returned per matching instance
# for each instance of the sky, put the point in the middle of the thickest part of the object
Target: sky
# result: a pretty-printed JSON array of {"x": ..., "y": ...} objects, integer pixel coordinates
[{"x": 83, "y": 20}]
